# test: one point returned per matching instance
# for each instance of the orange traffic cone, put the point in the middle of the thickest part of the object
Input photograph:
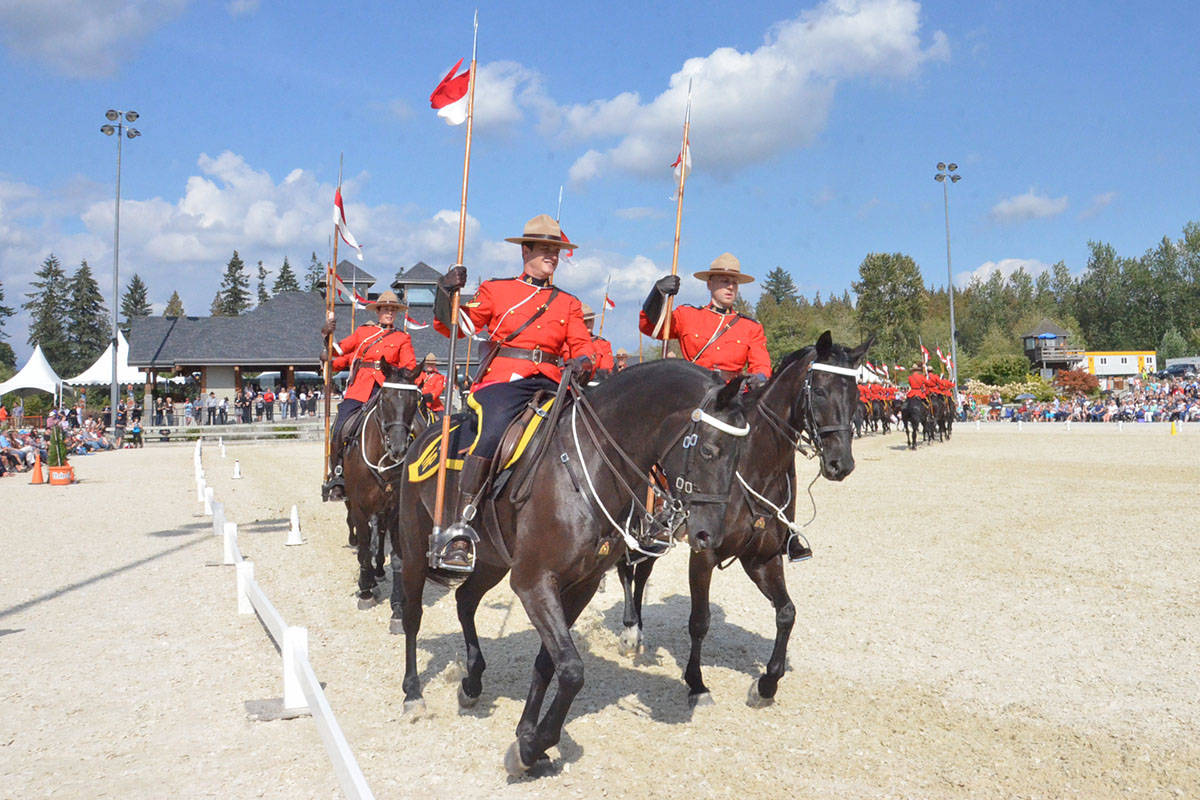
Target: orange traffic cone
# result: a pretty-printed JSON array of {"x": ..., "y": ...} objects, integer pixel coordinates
[{"x": 37, "y": 469}]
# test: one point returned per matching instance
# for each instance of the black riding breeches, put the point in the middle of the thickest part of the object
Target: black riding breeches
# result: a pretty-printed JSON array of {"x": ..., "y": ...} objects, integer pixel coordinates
[{"x": 497, "y": 404}]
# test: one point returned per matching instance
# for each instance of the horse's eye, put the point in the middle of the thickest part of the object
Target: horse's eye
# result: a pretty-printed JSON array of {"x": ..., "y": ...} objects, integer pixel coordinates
[
  {"x": 708, "y": 451},
  {"x": 817, "y": 390}
]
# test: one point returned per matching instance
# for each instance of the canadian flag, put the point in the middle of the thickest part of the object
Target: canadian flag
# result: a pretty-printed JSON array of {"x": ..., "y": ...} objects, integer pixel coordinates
[
  {"x": 450, "y": 96},
  {"x": 339, "y": 221},
  {"x": 608, "y": 302},
  {"x": 411, "y": 324}
]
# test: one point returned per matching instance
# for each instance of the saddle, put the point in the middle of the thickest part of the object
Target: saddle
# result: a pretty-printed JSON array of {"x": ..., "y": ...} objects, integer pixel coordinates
[{"x": 513, "y": 443}]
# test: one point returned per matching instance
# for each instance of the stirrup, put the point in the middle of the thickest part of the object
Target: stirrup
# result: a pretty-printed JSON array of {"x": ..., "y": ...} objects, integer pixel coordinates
[
  {"x": 797, "y": 548},
  {"x": 440, "y": 547}
]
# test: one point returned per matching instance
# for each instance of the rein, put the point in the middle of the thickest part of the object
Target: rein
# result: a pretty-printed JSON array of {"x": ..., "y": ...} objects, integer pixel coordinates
[
  {"x": 688, "y": 436},
  {"x": 383, "y": 464}
]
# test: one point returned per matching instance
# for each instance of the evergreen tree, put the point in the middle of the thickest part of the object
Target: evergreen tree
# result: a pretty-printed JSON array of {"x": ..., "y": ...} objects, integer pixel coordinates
[
  {"x": 286, "y": 282},
  {"x": 88, "y": 329},
  {"x": 1173, "y": 345},
  {"x": 263, "y": 294},
  {"x": 779, "y": 284},
  {"x": 314, "y": 274},
  {"x": 133, "y": 302},
  {"x": 7, "y": 357},
  {"x": 217, "y": 308},
  {"x": 234, "y": 292},
  {"x": 891, "y": 299},
  {"x": 47, "y": 306},
  {"x": 174, "y": 306}
]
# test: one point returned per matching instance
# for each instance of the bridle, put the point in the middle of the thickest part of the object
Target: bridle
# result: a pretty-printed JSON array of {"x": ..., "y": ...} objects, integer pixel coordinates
[
  {"x": 807, "y": 439},
  {"x": 387, "y": 461},
  {"x": 677, "y": 501}
]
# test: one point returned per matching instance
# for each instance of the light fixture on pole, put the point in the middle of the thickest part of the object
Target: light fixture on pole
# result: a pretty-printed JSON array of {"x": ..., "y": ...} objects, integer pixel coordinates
[
  {"x": 112, "y": 115},
  {"x": 947, "y": 174}
]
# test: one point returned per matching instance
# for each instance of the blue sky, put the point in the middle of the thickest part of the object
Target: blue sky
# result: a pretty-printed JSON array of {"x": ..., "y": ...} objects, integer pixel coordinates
[{"x": 816, "y": 128}]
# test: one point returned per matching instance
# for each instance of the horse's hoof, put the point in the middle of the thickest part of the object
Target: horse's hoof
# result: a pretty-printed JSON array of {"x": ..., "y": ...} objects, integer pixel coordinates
[
  {"x": 756, "y": 700},
  {"x": 465, "y": 700},
  {"x": 414, "y": 708},
  {"x": 396, "y": 627},
  {"x": 367, "y": 603},
  {"x": 512, "y": 760},
  {"x": 630, "y": 642},
  {"x": 701, "y": 699}
]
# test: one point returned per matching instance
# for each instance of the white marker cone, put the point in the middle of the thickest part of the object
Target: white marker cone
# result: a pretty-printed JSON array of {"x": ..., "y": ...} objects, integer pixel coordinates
[
  {"x": 237, "y": 469},
  {"x": 294, "y": 532}
]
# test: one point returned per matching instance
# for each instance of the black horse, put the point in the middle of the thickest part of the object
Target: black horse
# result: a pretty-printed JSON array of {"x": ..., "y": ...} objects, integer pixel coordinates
[
  {"x": 806, "y": 407},
  {"x": 582, "y": 499},
  {"x": 372, "y": 466},
  {"x": 918, "y": 421}
]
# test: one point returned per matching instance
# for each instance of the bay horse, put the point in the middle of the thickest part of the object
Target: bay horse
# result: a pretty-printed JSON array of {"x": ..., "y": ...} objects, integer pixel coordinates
[
  {"x": 806, "y": 407},
  {"x": 371, "y": 467},
  {"x": 574, "y": 522}
]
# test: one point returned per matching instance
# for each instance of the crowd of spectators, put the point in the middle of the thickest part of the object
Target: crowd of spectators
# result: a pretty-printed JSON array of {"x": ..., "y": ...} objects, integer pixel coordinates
[
  {"x": 20, "y": 447},
  {"x": 1143, "y": 400},
  {"x": 251, "y": 404}
]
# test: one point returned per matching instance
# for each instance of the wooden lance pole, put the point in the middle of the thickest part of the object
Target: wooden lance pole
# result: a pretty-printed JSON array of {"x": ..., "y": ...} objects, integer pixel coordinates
[
  {"x": 327, "y": 371},
  {"x": 440, "y": 496},
  {"x": 684, "y": 157}
]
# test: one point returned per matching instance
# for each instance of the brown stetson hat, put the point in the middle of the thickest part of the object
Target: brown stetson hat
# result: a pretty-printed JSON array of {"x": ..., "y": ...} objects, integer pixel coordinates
[
  {"x": 588, "y": 313},
  {"x": 430, "y": 357},
  {"x": 387, "y": 298},
  {"x": 725, "y": 264},
  {"x": 622, "y": 352},
  {"x": 542, "y": 228}
]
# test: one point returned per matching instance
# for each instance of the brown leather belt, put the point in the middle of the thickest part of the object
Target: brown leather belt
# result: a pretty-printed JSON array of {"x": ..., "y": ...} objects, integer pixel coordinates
[{"x": 536, "y": 356}]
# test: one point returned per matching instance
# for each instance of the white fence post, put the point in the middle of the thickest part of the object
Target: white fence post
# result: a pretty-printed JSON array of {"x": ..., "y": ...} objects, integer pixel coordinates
[
  {"x": 245, "y": 575},
  {"x": 295, "y": 652},
  {"x": 208, "y": 501},
  {"x": 200, "y": 490},
  {"x": 218, "y": 518},
  {"x": 230, "y": 542}
]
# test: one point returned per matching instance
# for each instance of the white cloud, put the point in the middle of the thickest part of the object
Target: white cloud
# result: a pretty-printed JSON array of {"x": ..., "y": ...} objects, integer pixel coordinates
[
  {"x": 1030, "y": 205},
  {"x": 1098, "y": 204},
  {"x": 640, "y": 212},
  {"x": 239, "y": 8},
  {"x": 1005, "y": 266},
  {"x": 749, "y": 106},
  {"x": 82, "y": 38}
]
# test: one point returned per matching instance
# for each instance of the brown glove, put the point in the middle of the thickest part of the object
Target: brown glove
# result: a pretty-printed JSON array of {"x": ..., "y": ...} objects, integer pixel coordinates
[{"x": 328, "y": 328}]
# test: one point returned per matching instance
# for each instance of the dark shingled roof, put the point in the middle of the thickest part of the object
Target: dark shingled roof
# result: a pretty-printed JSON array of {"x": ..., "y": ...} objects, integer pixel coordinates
[
  {"x": 417, "y": 273},
  {"x": 1046, "y": 326},
  {"x": 283, "y": 331}
]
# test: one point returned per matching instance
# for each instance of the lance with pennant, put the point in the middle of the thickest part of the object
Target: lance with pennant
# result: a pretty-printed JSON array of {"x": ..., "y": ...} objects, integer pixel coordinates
[
  {"x": 604, "y": 305},
  {"x": 330, "y": 315},
  {"x": 440, "y": 496},
  {"x": 684, "y": 158}
]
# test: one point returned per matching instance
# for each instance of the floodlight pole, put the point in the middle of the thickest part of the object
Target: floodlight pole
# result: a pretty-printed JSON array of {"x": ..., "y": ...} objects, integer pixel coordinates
[
  {"x": 115, "y": 388},
  {"x": 948, "y": 171}
]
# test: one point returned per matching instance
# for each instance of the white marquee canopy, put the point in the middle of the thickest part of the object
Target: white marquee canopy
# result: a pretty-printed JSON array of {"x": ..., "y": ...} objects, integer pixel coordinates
[
  {"x": 101, "y": 371},
  {"x": 36, "y": 374}
]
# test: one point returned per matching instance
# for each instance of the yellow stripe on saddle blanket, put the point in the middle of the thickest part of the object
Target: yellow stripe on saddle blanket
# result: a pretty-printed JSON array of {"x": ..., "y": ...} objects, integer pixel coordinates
[{"x": 425, "y": 467}]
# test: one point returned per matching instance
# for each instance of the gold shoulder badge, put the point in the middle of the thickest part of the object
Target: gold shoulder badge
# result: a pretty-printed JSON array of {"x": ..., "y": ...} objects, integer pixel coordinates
[{"x": 471, "y": 304}]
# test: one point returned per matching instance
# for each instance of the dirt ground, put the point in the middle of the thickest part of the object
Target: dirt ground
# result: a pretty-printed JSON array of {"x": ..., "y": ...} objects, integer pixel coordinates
[{"x": 1009, "y": 614}]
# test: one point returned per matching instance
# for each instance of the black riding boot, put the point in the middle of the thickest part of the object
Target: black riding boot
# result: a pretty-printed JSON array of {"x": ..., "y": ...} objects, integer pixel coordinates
[
  {"x": 455, "y": 548},
  {"x": 334, "y": 489}
]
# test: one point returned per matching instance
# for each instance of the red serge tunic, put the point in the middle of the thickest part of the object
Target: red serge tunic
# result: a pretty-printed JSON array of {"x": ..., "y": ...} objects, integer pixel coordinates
[
  {"x": 502, "y": 305},
  {"x": 740, "y": 343},
  {"x": 604, "y": 355},
  {"x": 434, "y": 385},
  {"x": 916, "y": 385},
  {"x": 368, "y": 345}
]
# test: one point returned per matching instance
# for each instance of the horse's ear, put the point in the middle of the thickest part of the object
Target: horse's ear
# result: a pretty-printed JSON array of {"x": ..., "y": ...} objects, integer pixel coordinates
[
  {"x": 857, "y": 354},
  {"x": 730, "y": 394},
  {"x": 824, "y": 345},
  {"x": 410, "y": 373}
]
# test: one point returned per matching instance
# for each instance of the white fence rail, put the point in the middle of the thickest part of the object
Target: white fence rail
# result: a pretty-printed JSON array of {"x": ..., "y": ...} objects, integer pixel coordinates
[{"x": 301, "y": 689}]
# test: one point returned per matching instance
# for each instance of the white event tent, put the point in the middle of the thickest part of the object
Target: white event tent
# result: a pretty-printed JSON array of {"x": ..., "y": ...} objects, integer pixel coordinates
[
  {"x": 36, "y": 374},
  {"x": 101, "y": 371}
]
